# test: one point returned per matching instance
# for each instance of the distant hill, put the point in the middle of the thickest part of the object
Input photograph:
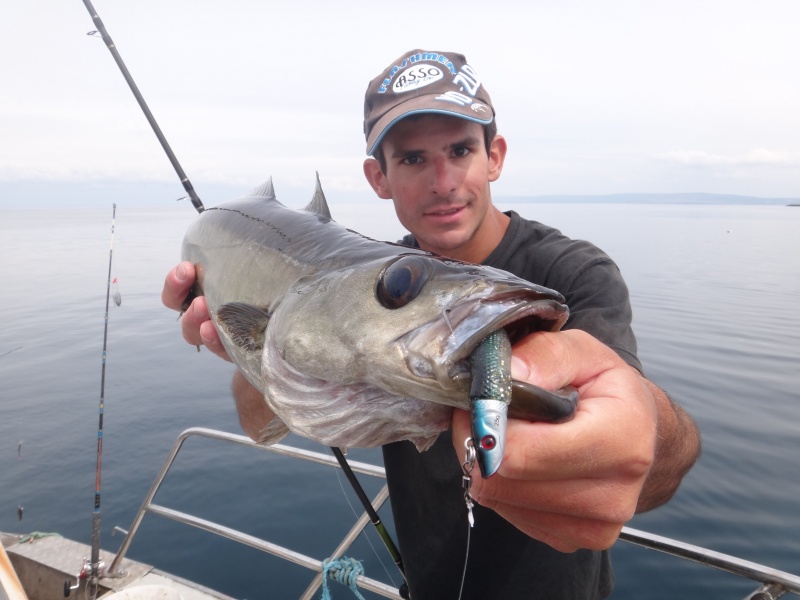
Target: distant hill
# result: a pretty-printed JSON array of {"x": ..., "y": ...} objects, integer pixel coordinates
[{"x": 688, "y": 198}]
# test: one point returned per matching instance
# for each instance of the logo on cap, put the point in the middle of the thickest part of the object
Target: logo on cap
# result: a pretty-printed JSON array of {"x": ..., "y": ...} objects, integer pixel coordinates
[{"x": 416, "y": 77}]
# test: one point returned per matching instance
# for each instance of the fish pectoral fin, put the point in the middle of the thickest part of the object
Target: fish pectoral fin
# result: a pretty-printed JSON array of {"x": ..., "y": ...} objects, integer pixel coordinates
[
  {"x": 244, "y": 324},
  {"x": 274, "y": 432},
  {"x": 532, "y": 403}
]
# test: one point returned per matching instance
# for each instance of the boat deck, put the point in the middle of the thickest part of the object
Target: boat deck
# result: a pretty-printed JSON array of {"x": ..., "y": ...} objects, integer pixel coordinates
[{"x": 44, "y": 563}]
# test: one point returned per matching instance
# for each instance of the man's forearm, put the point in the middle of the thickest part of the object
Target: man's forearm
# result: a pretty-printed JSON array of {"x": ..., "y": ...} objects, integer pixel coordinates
[
  {"x": 254, "y": 414},
  {"x": 677, "y": 449}
]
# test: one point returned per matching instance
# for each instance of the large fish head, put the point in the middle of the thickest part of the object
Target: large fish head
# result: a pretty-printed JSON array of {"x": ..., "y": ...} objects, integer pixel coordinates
[{"x": 407, "y": 324}]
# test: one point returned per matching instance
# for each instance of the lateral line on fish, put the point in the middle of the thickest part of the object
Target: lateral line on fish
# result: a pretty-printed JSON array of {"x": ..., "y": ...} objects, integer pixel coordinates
[{"x": 272, "y": 226}]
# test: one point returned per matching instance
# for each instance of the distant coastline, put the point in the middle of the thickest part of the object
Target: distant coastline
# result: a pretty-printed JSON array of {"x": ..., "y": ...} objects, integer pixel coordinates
[
  {"x": 687, "y": 198},
  {"x": 47, "y": 194}
]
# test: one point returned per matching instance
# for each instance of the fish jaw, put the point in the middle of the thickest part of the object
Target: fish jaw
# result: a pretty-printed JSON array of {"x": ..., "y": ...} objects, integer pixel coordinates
[{"x": 441, "y": 349}]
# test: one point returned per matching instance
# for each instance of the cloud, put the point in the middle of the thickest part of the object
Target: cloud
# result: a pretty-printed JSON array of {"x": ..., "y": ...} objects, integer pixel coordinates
[{"x": 753, "y": 158}]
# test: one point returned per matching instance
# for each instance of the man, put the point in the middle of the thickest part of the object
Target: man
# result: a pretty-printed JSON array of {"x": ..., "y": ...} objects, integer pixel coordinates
[{"x": 564, "y": 491}]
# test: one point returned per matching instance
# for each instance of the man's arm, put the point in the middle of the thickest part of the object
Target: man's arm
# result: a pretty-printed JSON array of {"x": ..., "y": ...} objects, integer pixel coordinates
[{"x": 677, "y": 448}]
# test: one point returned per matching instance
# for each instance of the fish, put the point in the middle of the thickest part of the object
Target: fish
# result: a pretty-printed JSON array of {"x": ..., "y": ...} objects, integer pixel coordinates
[{"x": 356, "y": 342}]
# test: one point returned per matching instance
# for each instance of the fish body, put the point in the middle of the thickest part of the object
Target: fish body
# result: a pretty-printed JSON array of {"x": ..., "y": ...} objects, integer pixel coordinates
[{"x": 354, "y": 342}]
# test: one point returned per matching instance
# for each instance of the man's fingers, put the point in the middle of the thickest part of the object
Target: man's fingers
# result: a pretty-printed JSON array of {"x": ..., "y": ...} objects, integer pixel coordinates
[
  {"x": 198, "y": 328},
  {"x": 178, "y": 283},
  {"x": 211, "y": 340},
  {"x": 192, "y": 319},
  {"x": 555, "y": 359},
  {"x": 562, "y": 532}
]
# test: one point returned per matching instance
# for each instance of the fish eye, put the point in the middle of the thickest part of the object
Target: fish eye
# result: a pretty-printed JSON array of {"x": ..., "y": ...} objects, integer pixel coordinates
[{"x": 402, "y": 281}]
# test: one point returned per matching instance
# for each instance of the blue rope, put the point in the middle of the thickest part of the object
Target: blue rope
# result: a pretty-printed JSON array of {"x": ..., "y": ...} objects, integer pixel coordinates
[{"x": 345, "y": 571}]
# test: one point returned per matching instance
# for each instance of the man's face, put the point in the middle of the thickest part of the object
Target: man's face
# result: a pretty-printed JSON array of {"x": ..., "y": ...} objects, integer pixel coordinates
[{"x": 438, "y": 174}]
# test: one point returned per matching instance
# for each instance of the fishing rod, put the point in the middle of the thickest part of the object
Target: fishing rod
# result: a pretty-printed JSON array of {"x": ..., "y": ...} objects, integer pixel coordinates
[
  {"x": 95, "y": 556},
  {"x": 370, "y": 510},
  {"x": 373, "y": 515},
  {"x": 187, "y": 185}
]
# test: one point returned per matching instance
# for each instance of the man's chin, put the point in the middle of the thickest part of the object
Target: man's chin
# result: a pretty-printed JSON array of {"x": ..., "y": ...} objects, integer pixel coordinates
[{"x": 447, "y": 243}]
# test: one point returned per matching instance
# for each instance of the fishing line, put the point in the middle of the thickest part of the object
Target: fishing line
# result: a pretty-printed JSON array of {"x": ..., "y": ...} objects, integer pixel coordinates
[
  {"x": 10, "y": 351},
  {"x": 373, "y": 515},
  {"x": 466, "y": 482},
  {"x": 366, "y": 537},
  {"x": 466, "y": 560}
]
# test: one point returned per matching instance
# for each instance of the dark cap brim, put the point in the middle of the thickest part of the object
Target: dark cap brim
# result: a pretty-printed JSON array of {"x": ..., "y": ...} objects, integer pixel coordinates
[{"x": 477, "y": 112}]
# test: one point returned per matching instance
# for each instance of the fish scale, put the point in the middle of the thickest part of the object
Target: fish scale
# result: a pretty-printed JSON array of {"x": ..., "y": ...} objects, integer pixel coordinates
[{"x": 491, "y": 368}]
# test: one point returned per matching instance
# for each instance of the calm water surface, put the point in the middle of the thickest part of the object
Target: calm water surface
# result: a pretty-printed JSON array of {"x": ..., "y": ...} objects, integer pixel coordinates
[{"x": 715, "y": 291}]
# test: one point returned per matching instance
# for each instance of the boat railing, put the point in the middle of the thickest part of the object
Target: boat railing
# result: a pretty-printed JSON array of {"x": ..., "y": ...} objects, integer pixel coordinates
[
  {"x": 772, "y": 583},
  {"x": 149, "y": 506}
]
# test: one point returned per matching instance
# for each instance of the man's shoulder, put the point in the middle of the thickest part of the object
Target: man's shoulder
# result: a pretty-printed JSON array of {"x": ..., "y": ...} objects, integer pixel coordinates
[
  {"x": 540, "y": 249},
  {"x": 530, "y": 232},
  {"x": 409, "y": 240}
]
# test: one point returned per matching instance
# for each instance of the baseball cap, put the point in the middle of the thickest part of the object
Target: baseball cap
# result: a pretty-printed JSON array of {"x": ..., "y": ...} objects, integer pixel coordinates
[{"x": 422, "y": 81}]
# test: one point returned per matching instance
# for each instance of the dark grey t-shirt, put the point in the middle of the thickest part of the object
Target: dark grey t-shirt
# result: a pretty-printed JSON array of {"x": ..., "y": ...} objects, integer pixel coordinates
[{"x": 425, "y": 488}]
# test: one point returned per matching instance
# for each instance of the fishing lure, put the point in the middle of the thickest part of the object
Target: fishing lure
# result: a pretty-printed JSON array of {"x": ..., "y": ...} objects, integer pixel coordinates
[{"x": 490, "y": 395}]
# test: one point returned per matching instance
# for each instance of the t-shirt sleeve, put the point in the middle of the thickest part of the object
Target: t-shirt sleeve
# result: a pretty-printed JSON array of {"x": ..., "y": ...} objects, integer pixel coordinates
[
  {"x": 598, "y": 299},
  {"x": 589, "y": 280}
]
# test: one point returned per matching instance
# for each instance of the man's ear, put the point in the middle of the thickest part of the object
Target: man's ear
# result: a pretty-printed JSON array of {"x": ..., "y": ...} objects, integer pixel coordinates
[
  {"x": 377, "y": 179},
  {"x": 497, "y": 156}
]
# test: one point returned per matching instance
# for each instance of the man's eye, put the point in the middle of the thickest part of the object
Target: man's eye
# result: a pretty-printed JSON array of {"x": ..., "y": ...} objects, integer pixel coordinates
[
  {"x": 461, "y": 151},
  {"x": 411, "y": 160}
]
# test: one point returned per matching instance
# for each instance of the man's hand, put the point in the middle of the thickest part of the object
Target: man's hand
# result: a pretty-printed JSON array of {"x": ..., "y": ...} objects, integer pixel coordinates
[
  {"x": 197, "y": 327},
  {"x": 196, "y": 323},
  {"x": 574, "y": 485}
]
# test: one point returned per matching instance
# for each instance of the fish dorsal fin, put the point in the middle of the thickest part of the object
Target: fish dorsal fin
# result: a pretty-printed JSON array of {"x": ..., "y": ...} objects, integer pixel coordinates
[
  {"x": 264, "y": 190},
  {"x": 244, "y": 324},
  {"x": 318, "y": 204}
]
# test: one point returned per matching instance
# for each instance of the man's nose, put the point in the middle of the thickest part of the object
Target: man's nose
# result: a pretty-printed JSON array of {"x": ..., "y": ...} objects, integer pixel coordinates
[{"x": 443, "y": 177}]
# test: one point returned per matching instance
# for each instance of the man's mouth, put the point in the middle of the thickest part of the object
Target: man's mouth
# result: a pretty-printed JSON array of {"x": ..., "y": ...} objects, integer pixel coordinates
[{"x": 444, "y": 212}]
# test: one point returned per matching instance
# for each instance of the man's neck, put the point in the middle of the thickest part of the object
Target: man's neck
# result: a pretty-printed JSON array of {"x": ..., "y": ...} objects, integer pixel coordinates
[{"x": 493, "y": 229}]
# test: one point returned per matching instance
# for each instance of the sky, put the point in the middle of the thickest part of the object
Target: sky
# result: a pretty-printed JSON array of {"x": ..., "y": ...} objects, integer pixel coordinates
[{"x": 594, "y": 97}]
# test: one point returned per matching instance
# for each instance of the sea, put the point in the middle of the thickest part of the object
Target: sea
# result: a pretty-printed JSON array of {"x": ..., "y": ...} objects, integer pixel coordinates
[{"x": 715, "y": 292}]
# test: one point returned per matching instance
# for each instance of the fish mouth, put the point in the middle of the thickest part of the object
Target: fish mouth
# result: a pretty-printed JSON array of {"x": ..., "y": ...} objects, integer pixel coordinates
[
  {"x": 518, "y": 316},
  {"x": 442, "y": 348}
]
